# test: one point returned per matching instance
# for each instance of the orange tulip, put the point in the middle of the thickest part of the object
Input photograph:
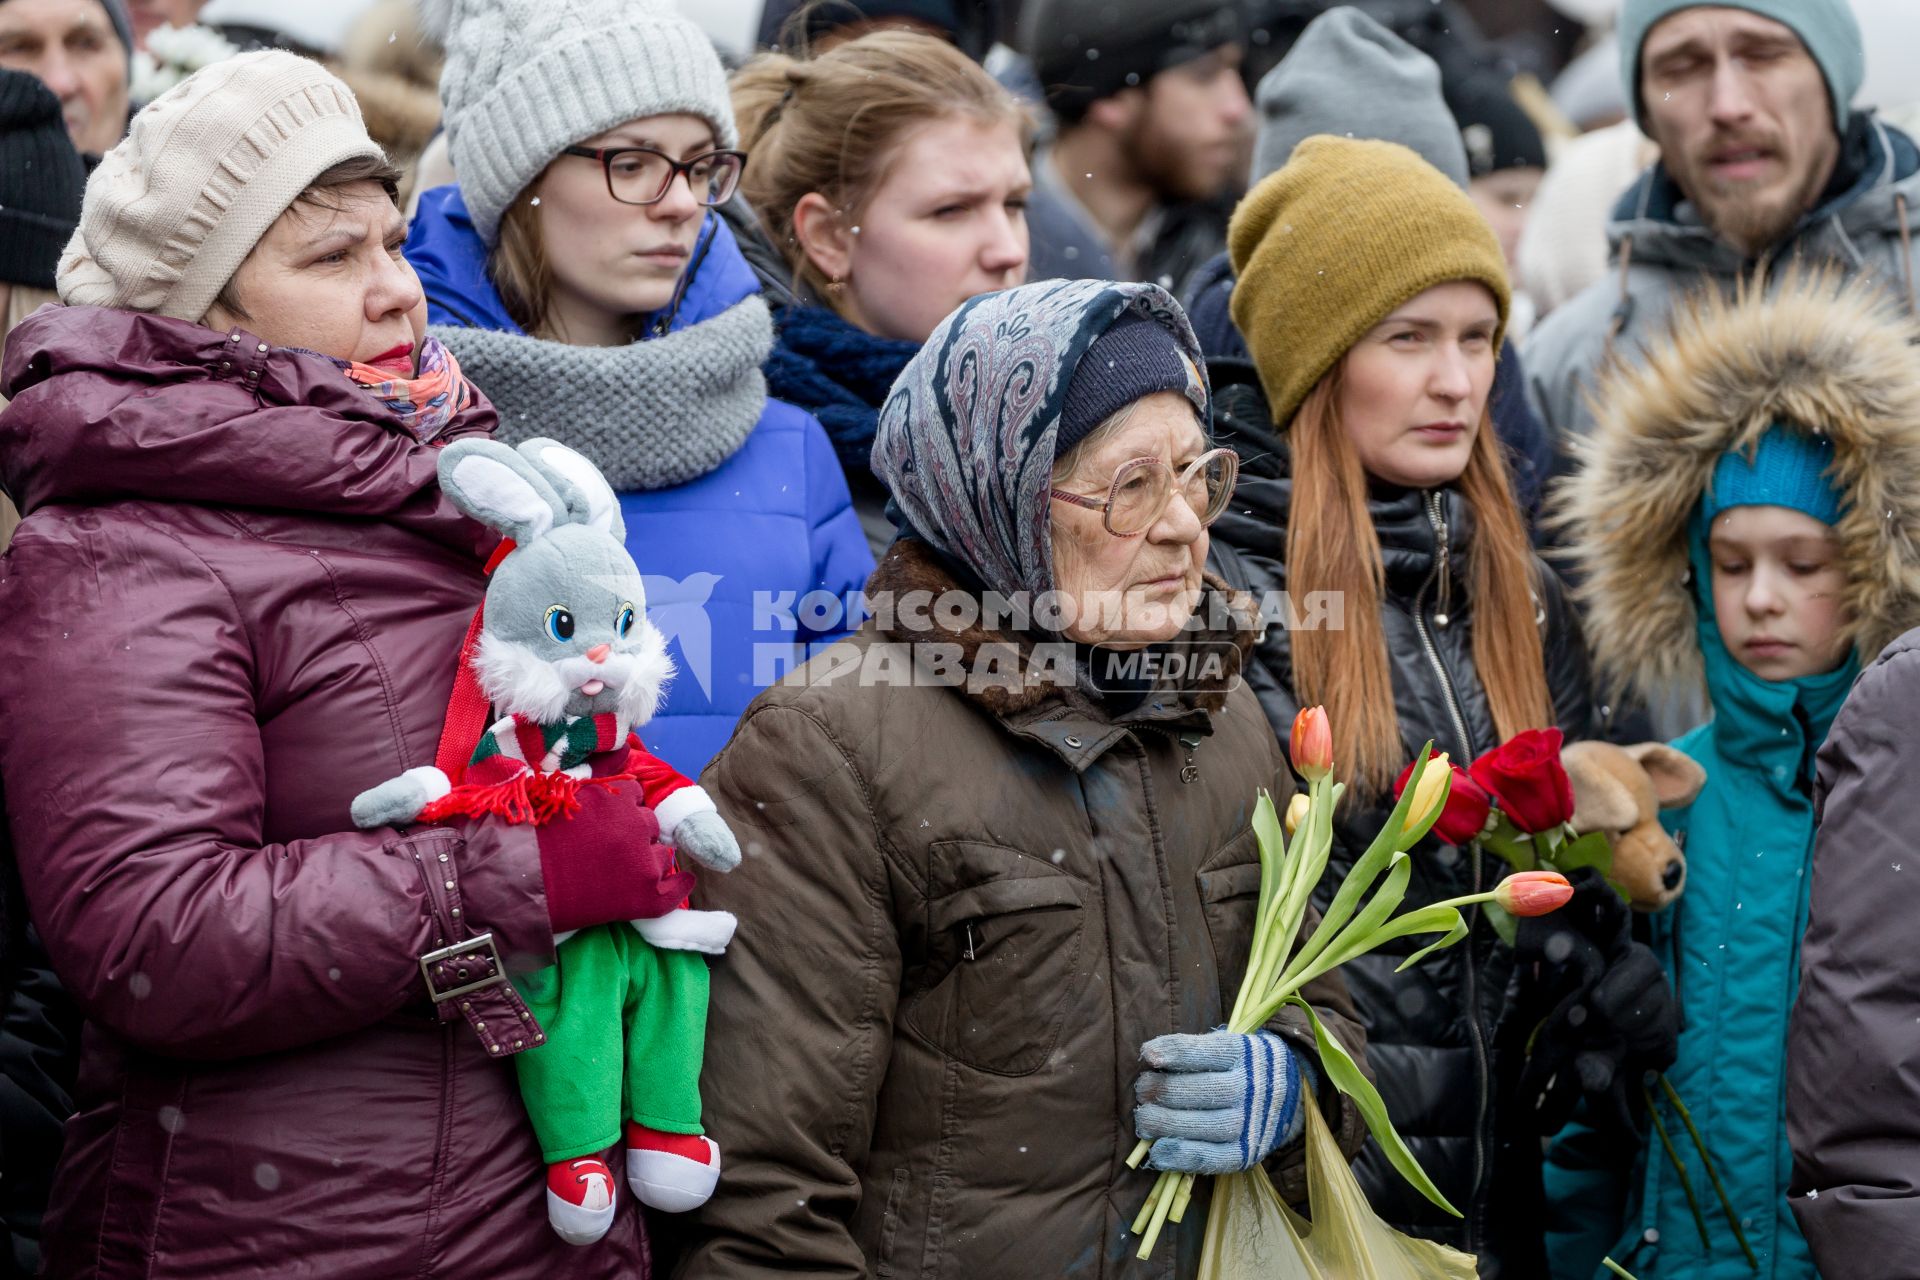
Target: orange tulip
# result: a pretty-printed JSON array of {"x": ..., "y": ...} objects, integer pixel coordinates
[
  {"x": 1533, "y": 893},
  {"x": 1312, "y": 744}
]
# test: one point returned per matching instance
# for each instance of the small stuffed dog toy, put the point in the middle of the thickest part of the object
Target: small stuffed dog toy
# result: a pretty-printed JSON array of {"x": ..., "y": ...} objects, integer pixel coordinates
[
  {"x": 1621, "y": 791},
  {"x": 571, "y": 666}
]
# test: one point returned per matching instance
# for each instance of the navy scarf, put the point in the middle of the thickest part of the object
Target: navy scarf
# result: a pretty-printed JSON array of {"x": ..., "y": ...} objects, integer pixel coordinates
[{"x": 838, "y": 373}]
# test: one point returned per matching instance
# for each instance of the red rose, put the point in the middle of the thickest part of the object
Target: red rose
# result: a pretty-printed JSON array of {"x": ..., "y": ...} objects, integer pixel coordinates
[
  {"x": 1526, "y": 779},
  {"x": 1466, "y": 811}
]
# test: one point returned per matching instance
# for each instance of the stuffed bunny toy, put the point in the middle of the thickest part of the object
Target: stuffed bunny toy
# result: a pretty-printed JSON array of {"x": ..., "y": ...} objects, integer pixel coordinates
[{"x": 565, "y": 655}]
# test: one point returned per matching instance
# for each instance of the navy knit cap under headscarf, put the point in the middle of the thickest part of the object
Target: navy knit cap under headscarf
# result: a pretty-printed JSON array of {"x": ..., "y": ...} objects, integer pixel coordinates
[{"x": 1132, "y": 360}]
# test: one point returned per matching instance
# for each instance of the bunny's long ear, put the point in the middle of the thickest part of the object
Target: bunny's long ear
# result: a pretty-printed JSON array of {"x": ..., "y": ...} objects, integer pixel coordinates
[
  {"x": 500, "y": 489},
  {"x": 588, "y": 496}
]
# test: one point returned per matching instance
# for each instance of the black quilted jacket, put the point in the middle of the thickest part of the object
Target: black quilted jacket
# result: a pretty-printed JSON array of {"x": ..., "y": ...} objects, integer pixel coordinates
[{"x": 1430, "y": 1030}]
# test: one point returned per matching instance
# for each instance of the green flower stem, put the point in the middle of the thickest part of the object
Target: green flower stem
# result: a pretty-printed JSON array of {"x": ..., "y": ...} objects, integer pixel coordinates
[
  {"x": 1333, "y": 927},
  {"x": 1183, "y": 1198},
  {"x": 1162, "y": 1200},
  {"x": 1713, "y": 1175},
  {"x": 1686, "y": 1182},
  {"x": 1617, "y": 1269},
  {"x": 1503, "y": 841},
  {"x": 1471, "y": 899},
  {"x": 1359, "y": 919}
]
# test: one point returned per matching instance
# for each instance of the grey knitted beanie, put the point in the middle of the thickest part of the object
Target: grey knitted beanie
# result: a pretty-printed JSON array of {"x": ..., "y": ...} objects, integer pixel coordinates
[
  {"x": 525, "y": 78},
  {"x": 1349, "y": 76}
]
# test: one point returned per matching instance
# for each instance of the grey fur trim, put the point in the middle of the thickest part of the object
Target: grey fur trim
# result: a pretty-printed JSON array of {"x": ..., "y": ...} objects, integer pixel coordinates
[{"x": 650, "y": 415}]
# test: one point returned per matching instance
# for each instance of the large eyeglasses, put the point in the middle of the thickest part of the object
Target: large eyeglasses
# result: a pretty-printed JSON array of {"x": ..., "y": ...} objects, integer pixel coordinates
[
  {"x": 641, "y": 175},
  {"x": 1142, "y": 488}
]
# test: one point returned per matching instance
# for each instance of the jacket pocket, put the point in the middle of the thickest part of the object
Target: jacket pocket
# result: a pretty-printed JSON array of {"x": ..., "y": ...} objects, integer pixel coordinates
[
  {"x": 1004, "y": 933},
  {"x": 1229, "y": 884}
]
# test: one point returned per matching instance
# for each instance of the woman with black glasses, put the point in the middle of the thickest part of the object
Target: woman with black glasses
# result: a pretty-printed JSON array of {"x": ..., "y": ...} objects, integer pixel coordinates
[{"x": 581, "y": 274}]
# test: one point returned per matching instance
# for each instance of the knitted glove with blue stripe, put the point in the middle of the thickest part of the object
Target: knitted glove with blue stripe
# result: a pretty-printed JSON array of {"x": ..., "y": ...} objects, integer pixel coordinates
[{"x": 1220, "y": 1102}]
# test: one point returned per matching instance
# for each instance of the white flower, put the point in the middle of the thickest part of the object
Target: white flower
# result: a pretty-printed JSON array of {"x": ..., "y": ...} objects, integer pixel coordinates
[{"x": 174, "y": 53}]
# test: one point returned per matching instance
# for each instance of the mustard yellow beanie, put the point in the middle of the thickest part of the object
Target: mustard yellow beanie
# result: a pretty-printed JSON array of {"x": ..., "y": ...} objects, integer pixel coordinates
[{"x": 1327, "y": 245}]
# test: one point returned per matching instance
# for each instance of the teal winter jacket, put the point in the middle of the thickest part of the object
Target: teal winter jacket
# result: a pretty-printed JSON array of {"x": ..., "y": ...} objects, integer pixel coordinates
[{"x": 1731, "y": 945}]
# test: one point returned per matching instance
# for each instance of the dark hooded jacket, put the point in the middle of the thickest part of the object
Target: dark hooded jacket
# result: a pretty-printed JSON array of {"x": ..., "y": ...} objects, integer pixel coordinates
[
  {"x": 236, "y": 601},
  {"x": 1430, "y": 1030}
]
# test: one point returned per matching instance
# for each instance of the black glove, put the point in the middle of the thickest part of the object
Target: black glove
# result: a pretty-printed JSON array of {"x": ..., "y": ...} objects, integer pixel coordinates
[{"x": 1610, "y": 1021}]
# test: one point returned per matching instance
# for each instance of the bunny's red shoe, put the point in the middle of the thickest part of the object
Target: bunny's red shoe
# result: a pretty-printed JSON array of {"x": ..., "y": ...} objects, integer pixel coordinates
[
  {"x": 671, "y": 1172},
  {"x": 580, "y": 1199}
]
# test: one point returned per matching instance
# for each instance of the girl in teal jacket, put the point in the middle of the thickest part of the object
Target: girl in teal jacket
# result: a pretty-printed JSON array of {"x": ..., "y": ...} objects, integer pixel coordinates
[{"x": 1741, "y": 527}]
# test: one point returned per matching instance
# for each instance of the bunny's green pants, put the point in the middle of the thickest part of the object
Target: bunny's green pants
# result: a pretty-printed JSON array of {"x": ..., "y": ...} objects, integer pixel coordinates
[{"x": 626, "y": 1026}]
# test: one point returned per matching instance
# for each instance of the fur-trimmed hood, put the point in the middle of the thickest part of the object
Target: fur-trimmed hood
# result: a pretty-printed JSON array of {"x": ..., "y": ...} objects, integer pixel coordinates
[{"x": 1823, "y": 354}]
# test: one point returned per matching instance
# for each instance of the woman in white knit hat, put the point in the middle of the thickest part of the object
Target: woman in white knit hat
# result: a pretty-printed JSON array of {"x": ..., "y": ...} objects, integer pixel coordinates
[
  {"x": 234, "y": 603},
  {"x": 582, "y": 273}
]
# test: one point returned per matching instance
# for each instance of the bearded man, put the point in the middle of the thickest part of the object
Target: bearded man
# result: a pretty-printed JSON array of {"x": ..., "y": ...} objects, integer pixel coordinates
[
  {"x": 1763, "y": 162},
  {"x": 1153, "y": 125}
]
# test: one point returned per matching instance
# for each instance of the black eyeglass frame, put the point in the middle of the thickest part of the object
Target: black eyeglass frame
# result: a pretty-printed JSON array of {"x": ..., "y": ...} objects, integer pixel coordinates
[{"x": 675, "y": 168}]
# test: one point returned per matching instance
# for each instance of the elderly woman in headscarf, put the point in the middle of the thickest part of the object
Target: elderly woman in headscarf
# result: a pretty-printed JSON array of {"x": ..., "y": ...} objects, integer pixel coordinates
[{"x": 1001, "y": 880}]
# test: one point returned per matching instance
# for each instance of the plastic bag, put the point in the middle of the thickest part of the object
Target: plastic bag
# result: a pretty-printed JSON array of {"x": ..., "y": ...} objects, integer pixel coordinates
[{"x": 1252, "y": 1235}]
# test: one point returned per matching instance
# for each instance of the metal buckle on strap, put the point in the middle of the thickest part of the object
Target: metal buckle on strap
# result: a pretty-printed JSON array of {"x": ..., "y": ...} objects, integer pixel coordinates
[{"x": 466, "y": 947}]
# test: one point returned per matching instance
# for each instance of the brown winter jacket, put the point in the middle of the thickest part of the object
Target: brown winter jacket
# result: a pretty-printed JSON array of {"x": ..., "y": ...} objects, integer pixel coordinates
[
  {"x": 891, "y": 1105},
  {"x": 236, "y": 602}
]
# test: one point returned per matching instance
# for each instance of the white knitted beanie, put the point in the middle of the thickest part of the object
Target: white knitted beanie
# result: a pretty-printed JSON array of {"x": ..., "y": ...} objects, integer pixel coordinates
[
  {"x": 205, "y": 169},
  {"x": 525, "y": 78}
]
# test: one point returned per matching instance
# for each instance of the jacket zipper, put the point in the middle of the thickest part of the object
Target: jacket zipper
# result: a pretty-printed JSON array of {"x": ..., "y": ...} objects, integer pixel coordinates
[{"x": 1443, "y": 571}]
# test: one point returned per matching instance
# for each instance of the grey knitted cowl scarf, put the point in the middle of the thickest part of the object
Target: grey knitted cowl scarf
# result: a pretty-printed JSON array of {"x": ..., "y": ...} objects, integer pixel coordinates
[{"x": 651, "y": 414}]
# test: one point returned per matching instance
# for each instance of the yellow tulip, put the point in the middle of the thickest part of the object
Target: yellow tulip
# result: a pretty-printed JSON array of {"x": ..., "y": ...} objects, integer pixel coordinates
[
  {"x": 1430, "y": 796},
  {"x": 1297, "y": 811}
]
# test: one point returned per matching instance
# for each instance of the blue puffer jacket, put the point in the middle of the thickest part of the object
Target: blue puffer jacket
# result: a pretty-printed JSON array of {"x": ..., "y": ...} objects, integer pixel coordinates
[{"x": 728, "y": 556}]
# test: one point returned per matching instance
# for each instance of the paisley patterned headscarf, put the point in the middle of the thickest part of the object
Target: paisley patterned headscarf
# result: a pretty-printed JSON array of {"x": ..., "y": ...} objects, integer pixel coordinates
[{"x": 966, "y": 438}]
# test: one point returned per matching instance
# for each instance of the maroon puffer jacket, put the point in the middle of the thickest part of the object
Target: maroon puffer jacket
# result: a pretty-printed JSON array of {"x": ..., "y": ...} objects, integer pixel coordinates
[{"x": 236, "y": 602}]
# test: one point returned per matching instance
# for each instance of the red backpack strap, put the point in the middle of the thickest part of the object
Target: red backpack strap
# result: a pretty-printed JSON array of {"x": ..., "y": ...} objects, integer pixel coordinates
[{"x": 469, "y": 711}]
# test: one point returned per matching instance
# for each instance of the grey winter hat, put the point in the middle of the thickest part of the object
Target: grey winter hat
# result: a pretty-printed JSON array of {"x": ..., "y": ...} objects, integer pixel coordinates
[
  {"x": 525, "y": 78},
  {"x": 1347, "y": 75},
  {"x": 1827, "y": 28}
]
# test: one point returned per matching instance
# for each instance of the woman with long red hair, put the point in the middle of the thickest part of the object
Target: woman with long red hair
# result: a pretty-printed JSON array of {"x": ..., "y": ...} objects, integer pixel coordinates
[{"x": 1373, "y": 298}]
